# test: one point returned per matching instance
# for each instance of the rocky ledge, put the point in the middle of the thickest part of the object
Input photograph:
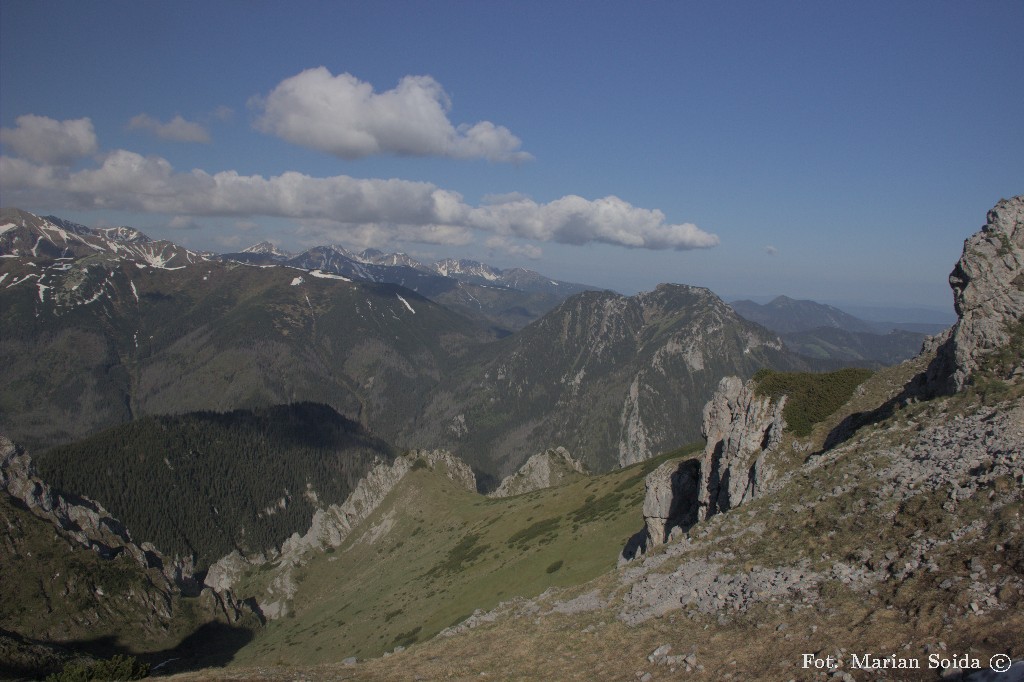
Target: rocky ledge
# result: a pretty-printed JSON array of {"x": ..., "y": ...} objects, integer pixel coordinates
[{"x": 331, "y": 526}]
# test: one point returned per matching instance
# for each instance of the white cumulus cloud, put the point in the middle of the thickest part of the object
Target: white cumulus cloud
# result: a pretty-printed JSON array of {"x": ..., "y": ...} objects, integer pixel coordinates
[
  {"x": 177, "y": 129},
  {"x": 575, "y": 220},
  {"x": 343, "y": 116},
  {"x": 342, "y": 208},
  {"x": 50, "y": 142}
]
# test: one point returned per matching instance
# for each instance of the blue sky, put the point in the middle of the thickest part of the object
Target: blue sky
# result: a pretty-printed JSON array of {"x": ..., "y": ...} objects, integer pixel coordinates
[{"x": 839, "y": 151}]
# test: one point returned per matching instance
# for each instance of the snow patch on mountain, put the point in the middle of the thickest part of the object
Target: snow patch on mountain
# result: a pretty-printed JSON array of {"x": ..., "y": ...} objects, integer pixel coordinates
[
  {"x": 323, "y": 275},
  {"x": 406, "y": 304}
]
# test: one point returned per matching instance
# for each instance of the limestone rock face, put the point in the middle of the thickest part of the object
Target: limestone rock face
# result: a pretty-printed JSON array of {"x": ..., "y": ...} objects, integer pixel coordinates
[
  {"x": 544, "y": 470},
  {"x": 741, "y": 428},
  {"x": 988, "y": 293},
  {"x": 670, "y": 500}
]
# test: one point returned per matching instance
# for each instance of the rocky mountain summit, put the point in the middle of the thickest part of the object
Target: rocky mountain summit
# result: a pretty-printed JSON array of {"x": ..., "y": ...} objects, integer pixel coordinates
[
  {"x": 25, "y": 235},
  {"x": 552, "y": 467},
  {"x": 616, "y": 379}
]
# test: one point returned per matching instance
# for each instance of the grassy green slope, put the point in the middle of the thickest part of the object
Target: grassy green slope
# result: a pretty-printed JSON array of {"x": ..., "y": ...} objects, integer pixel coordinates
[
  {"x": 837, "y": 510},
  {"x": 432, "y": 553}
]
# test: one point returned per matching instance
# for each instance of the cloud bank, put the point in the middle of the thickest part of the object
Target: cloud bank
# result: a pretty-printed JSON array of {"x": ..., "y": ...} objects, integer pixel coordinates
[
  {"x": 177, "y": 129},
  {"x": 50, "y": 142},
  {"x": 343, "y": 116},
  {"x": 336, "y": 207}
]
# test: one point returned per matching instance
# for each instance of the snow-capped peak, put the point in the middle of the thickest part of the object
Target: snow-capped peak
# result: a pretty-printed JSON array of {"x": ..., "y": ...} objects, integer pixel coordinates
[
  {"x": 452, "y": 266},
  {"x": 267, "y": 249},
  {"x": 128, "y": 235}
]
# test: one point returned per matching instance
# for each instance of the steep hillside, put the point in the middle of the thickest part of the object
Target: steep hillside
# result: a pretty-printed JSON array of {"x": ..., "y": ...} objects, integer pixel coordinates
[
  {"x": 74, "y": 583},
  {"x": 54, "y": 590},
  {"x": 613, "y": 378},
  {"x": 861, "y": 349},
  {"x": 95, "y": 341},
  {"x": 432, "y": 552},
  {"x": 205, "y": 484}
]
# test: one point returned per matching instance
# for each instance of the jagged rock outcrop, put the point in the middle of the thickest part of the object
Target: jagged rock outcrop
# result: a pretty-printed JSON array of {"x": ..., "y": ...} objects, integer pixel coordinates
[
  {"x": 670, "y": 501},
  {"x": 447, "y": 463},
  {"x": 988, "y": 293},
  {"x": 552, "y": 467},
  {"x": 330, "y": 527},
  {"x": 83, "y": 520},
  {"x": 741, "y": 429}
]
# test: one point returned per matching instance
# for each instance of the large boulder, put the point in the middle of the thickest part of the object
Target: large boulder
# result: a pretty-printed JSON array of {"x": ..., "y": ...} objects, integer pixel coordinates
[{"x": 670, "y": 501}]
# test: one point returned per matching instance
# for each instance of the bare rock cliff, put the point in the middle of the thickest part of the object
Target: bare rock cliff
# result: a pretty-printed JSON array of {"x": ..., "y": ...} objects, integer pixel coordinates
[
  {"x": 741, "y": 429},
  {"x": 670, "y": 501},
  {"x": 988, "y": 293}
]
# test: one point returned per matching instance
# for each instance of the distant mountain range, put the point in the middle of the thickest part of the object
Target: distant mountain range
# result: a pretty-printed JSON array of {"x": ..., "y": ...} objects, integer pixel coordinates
[
  {"x": 507, "y": 299},
  {"x": 614, "y": 379},
  {"x": 109, "y": 325},
  {"x": 785, "y": 315},
  {"x": 822, "y": 331}
]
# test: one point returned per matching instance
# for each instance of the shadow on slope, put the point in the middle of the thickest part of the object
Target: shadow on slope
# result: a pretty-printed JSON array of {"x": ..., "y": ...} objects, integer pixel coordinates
[{"x": 212, "y": 645}]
